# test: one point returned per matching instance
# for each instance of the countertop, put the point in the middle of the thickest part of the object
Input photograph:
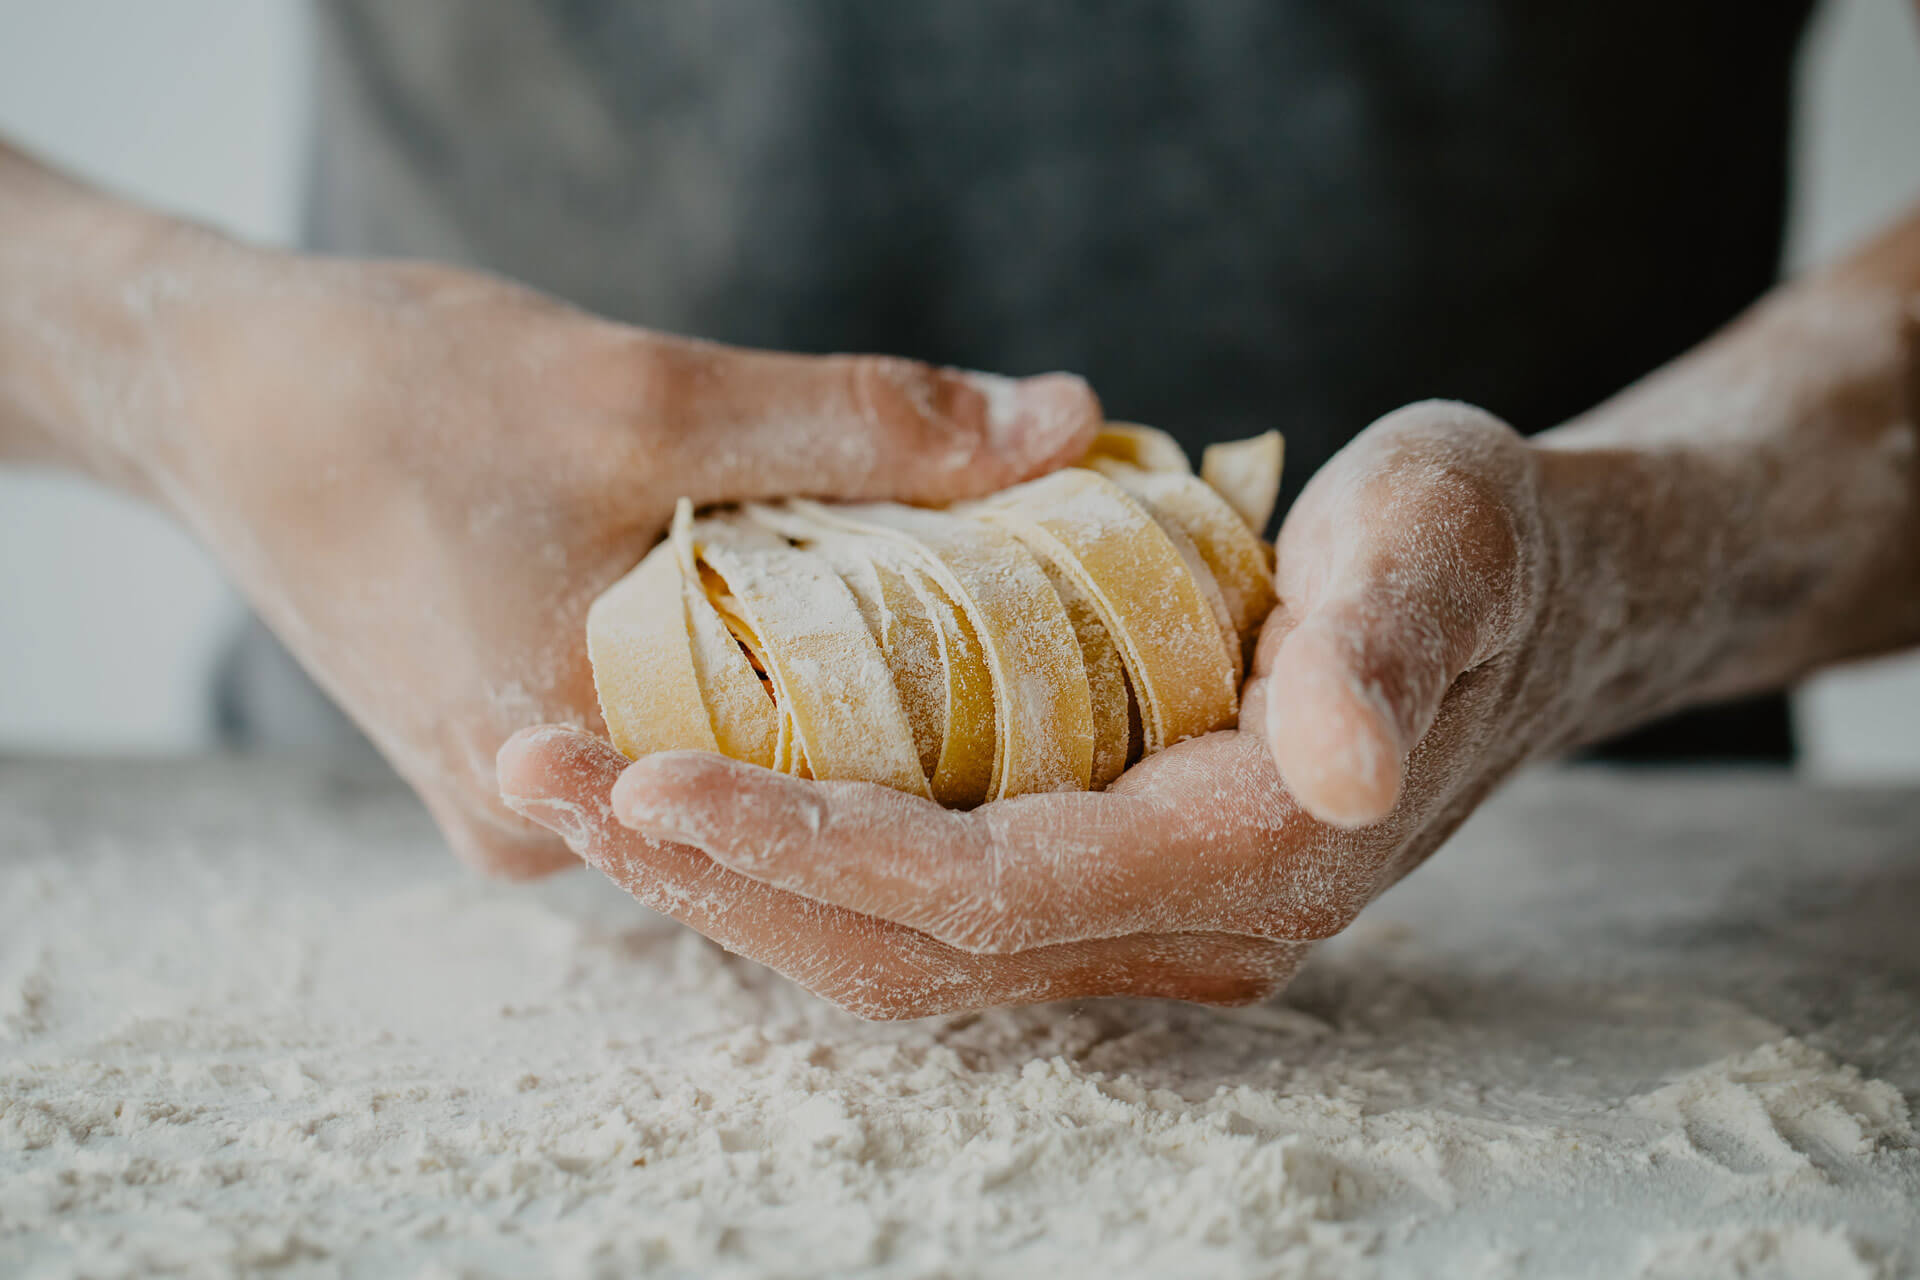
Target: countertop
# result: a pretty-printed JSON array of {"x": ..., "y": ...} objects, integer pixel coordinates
[{"x": 254, "y": 1019}]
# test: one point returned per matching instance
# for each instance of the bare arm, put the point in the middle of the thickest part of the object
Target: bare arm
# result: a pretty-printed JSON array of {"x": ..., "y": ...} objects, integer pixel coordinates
[
  {"x": 80, "y": 278},
  {"x": 1743, "y": 516},
  {"x": 421, "y": 476},
  {"x": 1752, "y": 512}
]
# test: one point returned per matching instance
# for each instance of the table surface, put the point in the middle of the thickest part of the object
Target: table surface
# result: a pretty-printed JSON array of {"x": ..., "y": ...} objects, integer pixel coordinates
[{"x": 253, "y": 1018}]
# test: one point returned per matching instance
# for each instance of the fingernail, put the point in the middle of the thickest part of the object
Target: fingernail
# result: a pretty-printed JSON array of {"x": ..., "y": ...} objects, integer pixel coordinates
[{"x": 1035, "y": 419}]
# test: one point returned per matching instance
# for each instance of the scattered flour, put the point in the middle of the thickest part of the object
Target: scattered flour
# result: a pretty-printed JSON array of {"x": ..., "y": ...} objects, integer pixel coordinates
[
  {"x": 1759, "y": 1253},
  {"x": 252, "y": 1019}
]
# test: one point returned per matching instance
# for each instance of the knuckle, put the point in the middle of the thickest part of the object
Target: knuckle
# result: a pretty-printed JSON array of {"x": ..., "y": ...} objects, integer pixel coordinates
[
  {"x": 936, "y": 419},
  {"x": 1431, "y": 491},
  {"x": 1488, "y": 529},
  {"x": 895, "y": 396},
  {"x": 1430, "y": 473},
  {"x": 630, "y": 398},
  {"x": 1452, "y": 422},
  {"x": 1473, "y": 498},
  {"x": 1076, "y": 397},
  {"x": 646, "y": 381},
  {"x": 1483, "y": 517}
]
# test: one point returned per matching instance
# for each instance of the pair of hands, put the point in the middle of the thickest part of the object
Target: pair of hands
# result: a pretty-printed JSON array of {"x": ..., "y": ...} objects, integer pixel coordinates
[
  {"x": 422, "y": 477},
  {"x": 1389, "y": 695},
  {"x": 426, "y": 517}
]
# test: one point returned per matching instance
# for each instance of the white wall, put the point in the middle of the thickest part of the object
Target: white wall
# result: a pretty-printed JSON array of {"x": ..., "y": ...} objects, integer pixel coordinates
[
  {"x": 1858, "y": 151},
  {"x": 109, "y": 617}
]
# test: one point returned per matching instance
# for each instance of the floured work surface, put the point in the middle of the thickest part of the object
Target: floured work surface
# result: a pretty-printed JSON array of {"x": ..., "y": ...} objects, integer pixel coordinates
[{"x": 252, "y": 1018}]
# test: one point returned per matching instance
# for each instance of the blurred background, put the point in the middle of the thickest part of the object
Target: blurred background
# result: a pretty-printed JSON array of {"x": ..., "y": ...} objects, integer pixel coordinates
[{"x": 110, "y": 618}]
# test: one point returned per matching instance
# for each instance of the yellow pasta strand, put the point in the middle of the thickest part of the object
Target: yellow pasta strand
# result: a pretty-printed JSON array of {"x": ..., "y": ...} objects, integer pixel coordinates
[{"x": 1040, "y": 639}]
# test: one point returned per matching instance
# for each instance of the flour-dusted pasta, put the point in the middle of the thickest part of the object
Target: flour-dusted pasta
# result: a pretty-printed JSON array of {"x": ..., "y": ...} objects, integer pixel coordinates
[{"x": 1040, "y": 639}]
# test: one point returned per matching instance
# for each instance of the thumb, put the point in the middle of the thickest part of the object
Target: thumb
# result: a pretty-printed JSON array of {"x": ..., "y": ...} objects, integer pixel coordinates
[
  {"x": 748, "y": 425},
  {"x": 1407, "y": 562},
  {"x": 1353, "y": 687}
]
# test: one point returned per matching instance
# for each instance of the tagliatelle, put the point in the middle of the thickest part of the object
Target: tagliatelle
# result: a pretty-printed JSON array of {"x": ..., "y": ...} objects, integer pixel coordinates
[
  {"x": 1247, "y": 474},
  {"x": 1236, "y": 559},
  {"x": 1149, "y": 599},
  {"x": 1041, "y": 706},
  {"x": 744, "y": 721},
  {"x": 803, "y": 622},
  {"x": 1040, "y": 639}
]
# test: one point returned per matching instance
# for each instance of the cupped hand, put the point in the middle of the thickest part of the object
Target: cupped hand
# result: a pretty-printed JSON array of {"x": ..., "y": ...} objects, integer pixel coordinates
[
  {"x": 423, "y": 476},
  {"x": 1404, "y": 675}
]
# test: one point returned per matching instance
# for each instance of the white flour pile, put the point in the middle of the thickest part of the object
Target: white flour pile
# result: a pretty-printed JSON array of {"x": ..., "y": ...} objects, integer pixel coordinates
[{"x": 253, "y": 1020}]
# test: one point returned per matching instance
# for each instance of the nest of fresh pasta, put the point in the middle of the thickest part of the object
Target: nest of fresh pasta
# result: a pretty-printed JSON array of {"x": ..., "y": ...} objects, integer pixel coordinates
[{"x": 1043, "y": 638}]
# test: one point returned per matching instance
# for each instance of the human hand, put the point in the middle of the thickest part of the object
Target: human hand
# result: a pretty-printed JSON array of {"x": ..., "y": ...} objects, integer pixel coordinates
[
  {"x": 423, "y": 476},
  {"x": 1413, "y": 572}
]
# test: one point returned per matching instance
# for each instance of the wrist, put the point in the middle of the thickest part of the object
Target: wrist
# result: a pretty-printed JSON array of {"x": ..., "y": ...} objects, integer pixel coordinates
[
  {"x": 1615, "y": 587},
  {"x": 1751, "y": 512},
  {"x": 88, "y": 288}
]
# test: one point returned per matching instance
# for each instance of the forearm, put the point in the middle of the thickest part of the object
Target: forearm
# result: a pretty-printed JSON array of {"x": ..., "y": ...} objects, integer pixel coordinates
[
  {"x": 86, "y": 282},
  {"x": 1751, "y": 512}
]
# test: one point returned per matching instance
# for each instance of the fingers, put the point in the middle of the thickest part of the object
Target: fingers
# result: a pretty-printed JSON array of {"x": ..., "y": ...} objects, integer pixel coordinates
[
  {"x": 874, "y": 968},
  {"x": 1349, "y": 695},
  {"x": 1402, "y": 568},
  {"x": 752, "y": 424},
  {"x": 1200, "y": 837}
]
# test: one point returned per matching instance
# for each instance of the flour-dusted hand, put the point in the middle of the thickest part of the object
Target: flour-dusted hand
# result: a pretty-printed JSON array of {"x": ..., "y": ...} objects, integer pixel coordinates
[
  {"x": 1415, "y": 576},
  {"x": 856, "y": 956},
  {"x": 1455, "y": 601},
  {"x": 422, "y": 476},
  {"x": 1420, "y": 540},
  {"x": 1417, "y": 564}
]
